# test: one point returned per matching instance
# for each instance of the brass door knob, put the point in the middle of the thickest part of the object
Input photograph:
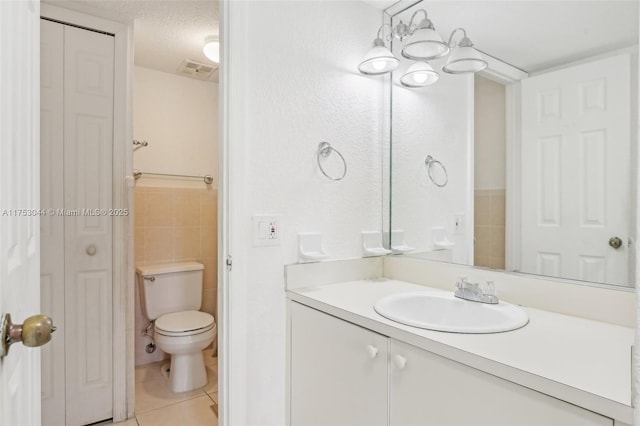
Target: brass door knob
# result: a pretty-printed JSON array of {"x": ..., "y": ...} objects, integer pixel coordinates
[
  {"x": 615, "y": 242},
  {"x": 36, "y": 331}
]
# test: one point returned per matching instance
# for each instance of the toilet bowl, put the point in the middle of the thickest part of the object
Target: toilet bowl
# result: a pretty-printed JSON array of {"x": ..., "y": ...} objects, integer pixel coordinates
[
  {"x": 184, "y": 335},
  {"x": 171, "y": 296}
]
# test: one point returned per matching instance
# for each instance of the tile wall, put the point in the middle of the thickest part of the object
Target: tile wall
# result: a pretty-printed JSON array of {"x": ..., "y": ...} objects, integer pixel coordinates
[
  {"x": 489, "y": 219},
  {"x": 171, "y": 225}
]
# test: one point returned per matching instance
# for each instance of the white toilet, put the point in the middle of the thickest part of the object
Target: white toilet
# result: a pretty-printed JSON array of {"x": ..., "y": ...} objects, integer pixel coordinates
[{"x": 171, "y": 295}]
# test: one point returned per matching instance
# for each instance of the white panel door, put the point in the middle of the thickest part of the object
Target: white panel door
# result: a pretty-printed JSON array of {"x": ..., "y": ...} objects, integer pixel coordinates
[
  {"x": 426, "y": 389},
  {"x": 52, "y": 225},
  {"x": 88, "y": 146},
  {"x": 19, "y": 193},
  {"x": 338, "y": 371},
  {"x": 77, "y": 142},
  {"x": 575, "y": 171}
]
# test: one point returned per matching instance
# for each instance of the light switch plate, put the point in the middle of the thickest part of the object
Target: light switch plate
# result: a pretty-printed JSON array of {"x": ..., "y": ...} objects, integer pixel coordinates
[{"x": 266, "y": 230}]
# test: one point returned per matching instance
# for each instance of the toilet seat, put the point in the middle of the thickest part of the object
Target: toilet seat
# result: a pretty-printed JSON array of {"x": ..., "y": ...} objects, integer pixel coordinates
[{"x": 184, "y": 323}]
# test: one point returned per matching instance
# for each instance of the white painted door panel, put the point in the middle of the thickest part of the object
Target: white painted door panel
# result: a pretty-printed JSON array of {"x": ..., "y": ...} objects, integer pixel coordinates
[
  {"x": 19, "y": 193},
  {"x": 77, "y": 144},
  {"x": 575, "y": 171},
  {"x": 52, "y": 225},
  {"x": 88, "y": 145},
  {"x": 431, "y": 390},
  {"x": 338, "y": 371}
]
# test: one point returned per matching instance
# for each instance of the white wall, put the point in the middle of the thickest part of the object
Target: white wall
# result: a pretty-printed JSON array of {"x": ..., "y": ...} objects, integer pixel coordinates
[
  {"x": 293, "y": 83},
  {"x": 432, "y": 121},
  {"x": 178, "y": 116},
  {"x": 489, "y": 134}
]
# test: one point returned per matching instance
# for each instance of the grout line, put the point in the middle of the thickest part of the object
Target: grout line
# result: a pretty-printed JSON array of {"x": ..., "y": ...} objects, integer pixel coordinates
[
  {"x": 176, "y": 402},
  {"x": 214, "y": 407}
]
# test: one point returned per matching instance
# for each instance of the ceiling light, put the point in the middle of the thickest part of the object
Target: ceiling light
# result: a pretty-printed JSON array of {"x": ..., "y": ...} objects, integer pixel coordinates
[
  {"x": 211, "y": 48},
  {"x": 464, "y": 58},
  {"x": 420, "y": 74},
  {"x": 379, "y": 59}
]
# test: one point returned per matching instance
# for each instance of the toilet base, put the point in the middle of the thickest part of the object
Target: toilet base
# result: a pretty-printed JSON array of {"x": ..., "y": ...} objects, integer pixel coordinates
[{"x": 187, "y": 372}]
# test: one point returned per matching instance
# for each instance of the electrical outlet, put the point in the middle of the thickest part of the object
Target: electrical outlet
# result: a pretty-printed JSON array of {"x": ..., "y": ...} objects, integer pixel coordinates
[
  {"x": 458, "y": 223},
  {"x": 273, "y": 230},
  {"x": 266, "y": 230}
]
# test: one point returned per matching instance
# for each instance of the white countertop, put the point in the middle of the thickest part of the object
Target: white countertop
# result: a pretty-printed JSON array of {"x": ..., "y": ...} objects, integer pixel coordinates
[{"x": 584, "y": 362}]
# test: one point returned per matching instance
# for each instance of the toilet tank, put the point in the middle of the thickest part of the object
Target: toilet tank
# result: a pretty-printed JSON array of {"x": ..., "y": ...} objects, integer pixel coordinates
[{"x": 170, "y": 287}]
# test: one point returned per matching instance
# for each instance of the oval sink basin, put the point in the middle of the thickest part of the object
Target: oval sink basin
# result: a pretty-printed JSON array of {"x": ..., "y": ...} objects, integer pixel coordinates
[{"x": 449, "y": 313}]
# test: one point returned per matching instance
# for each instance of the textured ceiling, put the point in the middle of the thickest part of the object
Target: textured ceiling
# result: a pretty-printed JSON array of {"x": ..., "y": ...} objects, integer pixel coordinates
[{"x": 166, "y": 31}]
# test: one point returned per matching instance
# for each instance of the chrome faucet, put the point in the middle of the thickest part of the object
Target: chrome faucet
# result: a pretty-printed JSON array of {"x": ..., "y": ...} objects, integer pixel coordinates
[{"x": 473, "y": 292}]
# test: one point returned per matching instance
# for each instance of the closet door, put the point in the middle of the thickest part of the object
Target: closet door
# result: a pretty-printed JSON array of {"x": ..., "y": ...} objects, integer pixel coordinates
[
  {"x": 51, "y": 225},
  {"x": 76, "y": 180},
  {"x": 88, "y": 146}
]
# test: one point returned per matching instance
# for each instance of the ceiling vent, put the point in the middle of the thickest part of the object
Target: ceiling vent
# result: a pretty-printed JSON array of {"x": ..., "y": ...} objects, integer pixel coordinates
[{"x": 197, "y": 70}]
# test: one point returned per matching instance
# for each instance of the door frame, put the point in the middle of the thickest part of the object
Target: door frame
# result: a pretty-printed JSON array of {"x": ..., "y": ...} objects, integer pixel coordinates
[
  {"x": 122, "y": 169},
  {"x": 510, "y": 77},
  {"x": 232, "y": 230}
]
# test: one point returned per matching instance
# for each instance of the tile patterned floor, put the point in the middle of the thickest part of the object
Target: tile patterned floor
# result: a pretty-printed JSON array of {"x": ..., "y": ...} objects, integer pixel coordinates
[{"x": 156, "y": 405}]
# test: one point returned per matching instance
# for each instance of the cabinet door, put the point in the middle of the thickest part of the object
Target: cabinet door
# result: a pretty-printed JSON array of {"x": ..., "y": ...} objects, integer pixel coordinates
[
  {"x": 338, "y": 371},
  {"x": 427, "y": 389}
]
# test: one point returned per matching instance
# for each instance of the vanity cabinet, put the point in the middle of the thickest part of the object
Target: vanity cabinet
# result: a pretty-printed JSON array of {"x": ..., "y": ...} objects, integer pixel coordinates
[
  {"x": 343, "y": 374},
  {"x": 338, "y": 372},
  {"x": 428, "y": 389}
]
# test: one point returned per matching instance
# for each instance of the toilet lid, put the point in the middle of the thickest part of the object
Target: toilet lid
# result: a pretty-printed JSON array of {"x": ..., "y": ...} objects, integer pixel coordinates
[{"x": 185, "y": 321}]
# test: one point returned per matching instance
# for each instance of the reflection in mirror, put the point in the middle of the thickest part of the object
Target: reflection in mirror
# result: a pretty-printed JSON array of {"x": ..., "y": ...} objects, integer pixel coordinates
[{"x": 528, "y": 165}]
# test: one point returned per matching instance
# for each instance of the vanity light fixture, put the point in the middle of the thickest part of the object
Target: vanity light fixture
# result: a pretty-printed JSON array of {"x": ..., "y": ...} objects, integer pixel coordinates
[
  {"x": 211, "y": 48},
  {"x": 423, "y": 44},
  {"x": 420, "y": 74},
  {"x": 379, "y": 59},
  {"x": 464, "y": 58}
]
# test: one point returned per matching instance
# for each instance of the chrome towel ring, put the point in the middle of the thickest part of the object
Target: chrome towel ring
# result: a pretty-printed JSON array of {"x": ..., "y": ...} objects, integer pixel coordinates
[
  {"x": 429, "y": 161},
  {"x": 324, "y": 150}
]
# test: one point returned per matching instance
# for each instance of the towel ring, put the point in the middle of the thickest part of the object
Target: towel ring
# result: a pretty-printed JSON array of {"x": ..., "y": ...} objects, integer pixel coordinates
[
  {"x": 429, "y": 161},
  {"x": 324, "y": 150}
]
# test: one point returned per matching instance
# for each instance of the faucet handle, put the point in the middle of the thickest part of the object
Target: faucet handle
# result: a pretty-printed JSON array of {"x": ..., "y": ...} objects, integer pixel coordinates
[
  {"x": 461, "y": 281},
  {"x": 490, "y": 288}
]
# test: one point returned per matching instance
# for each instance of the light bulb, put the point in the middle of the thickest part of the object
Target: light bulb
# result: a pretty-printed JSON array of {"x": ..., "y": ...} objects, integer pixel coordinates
[
  {"x": 420, "y": 74},
  {"x": 379, "y": 65},
  {"x": 420, "y": 77}
]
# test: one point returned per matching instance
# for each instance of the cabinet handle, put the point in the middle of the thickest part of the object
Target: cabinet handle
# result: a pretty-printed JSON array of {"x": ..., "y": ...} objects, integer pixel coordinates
[
  {"x": 400, "y": 361},
  {"x": 373, "y": 351}
]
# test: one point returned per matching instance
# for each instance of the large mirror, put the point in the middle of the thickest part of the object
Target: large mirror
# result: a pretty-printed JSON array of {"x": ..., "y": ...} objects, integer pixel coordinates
[{"x": 529, "y": 165}]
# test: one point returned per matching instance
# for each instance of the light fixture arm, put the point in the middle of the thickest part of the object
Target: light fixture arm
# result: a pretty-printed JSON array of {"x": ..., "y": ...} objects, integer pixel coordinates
[
  {"x": 464, "y": 41},
  {"x": 413, "y": 26},
  {"x": 402, "y": 30},
  {"x": 380, "y": 33}
]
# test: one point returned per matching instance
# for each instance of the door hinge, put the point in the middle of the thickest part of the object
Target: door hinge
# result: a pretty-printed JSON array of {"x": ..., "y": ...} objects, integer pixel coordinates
[{"x": 229, "y": 262}]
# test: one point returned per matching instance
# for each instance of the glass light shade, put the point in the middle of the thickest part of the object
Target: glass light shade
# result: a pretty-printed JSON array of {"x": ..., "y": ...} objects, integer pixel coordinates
[
  {"x": 420, "y": 74},
  {"x": 211, "y": 49},
  {"x": 464, "y": 60},
  {"x": 379, "y": 60},
  {"x": 425, "y": 44}
]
